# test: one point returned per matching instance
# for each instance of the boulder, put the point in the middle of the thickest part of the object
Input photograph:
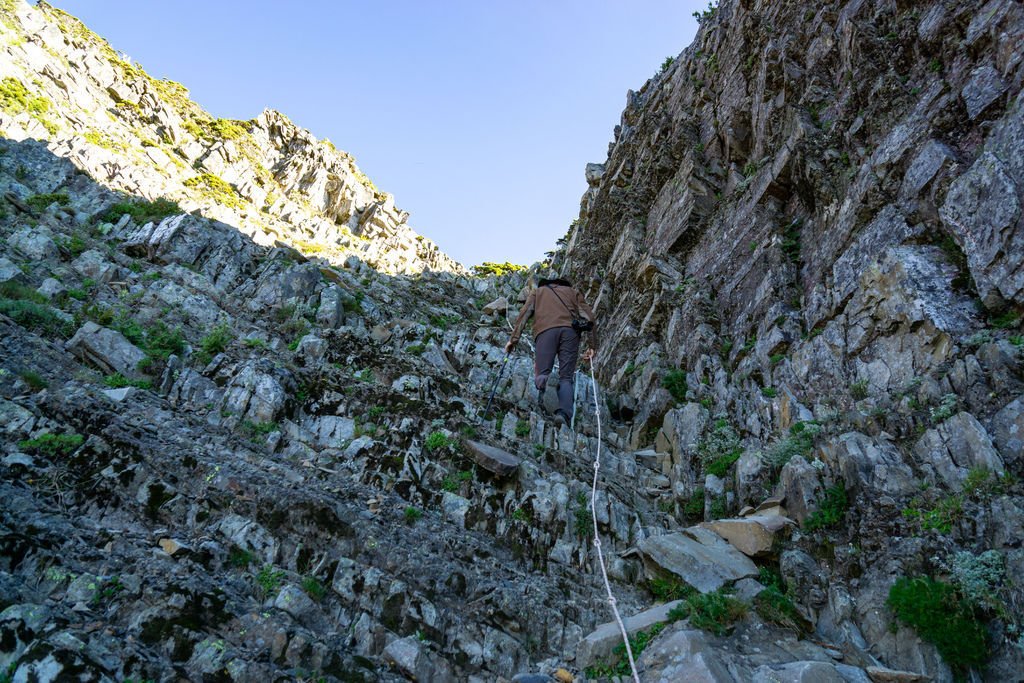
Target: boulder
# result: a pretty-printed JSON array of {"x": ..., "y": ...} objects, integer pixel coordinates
[
  {"x": 599, "y": 644},
  {"x": 1008, "y": 431},
  {"x": 34, "y": 243},
  {"x": 92, "y": 265},
  {"x": 753, "y": 535},
  {"x": 684, "y": 656},
  {"x": 954, "y": 447},
  {"x": 499, "y": 305},
  {"x": 869, "y": 464},
  {"x": 494, "y": 460},
  {"x": 106, "y": 349},
  {"x": 9, "y": 271},
  {"x": 698, "y": 556}
]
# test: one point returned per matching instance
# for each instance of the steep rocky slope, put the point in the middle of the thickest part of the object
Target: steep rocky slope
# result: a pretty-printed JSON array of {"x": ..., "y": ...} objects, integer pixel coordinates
[
  {"x": 815, "y": 213},
  {"x": 231, "y": 451},
  {"x": 144, "y": 136}
]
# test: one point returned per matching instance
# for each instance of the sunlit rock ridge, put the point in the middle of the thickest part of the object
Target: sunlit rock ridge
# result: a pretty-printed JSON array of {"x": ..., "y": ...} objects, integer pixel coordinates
[{"x": 268, "y": 177}]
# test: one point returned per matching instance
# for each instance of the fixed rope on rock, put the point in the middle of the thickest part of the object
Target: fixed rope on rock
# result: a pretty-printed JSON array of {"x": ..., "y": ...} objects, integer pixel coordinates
[{"x": 597, "y": 537}]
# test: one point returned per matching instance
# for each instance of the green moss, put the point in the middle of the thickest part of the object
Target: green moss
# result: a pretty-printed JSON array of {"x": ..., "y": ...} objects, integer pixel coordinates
[
  {"x": 53, "y": 444},
  {"x": 15, "y": 99},
  {"x": 215, "y": 188},
  {"x": 227, "y": 129},
  {"x": 943, "y": 617}
]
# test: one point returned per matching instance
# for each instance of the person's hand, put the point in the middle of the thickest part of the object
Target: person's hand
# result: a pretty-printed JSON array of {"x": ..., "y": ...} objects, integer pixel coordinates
[
  {"x": 588, "y": 355},
  {"x": 509, "y": 347}
]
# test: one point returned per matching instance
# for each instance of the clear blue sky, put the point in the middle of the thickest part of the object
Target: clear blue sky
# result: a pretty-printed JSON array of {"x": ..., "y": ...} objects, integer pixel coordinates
[{"x": 478, "y": 115}]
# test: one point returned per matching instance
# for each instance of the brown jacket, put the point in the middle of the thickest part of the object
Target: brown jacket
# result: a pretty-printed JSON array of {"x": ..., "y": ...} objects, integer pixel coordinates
[{"x": 547, "y": 311}]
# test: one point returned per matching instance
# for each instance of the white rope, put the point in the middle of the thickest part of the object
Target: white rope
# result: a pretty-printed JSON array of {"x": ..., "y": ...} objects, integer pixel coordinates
[{"x": 597, "y": 537}]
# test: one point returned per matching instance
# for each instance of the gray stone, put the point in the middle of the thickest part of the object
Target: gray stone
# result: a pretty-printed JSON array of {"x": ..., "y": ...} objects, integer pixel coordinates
[
  {"x": 35, "y": 243},
  {"x": 1008, "y": 431},
  {"x": 599, "y": 644},
  {"x": 255, "y": 395},
  {"x": 91, "y": 264},
  {"x": 869, "y": 464},
  {"x": 15, "y": 421},
  {"x": 499, "y": 305},
  {"x": 933, "y": 156},
  {"x": 295, "y": 602},
  {"x": 684, "y": 656},
  {"x": 455, "y": 508},
  {"x": 798, "y": 672},
  {"x": 983, "y": 207},
  {"x": 119, "y": 395},
  {"x": 50, "y": 287},
  {"x": 494, "y": 460},
  {"x": 954, "y": 447},
  {"x": 698, "y": 556},
  {"x": 9, "y": 271},
  {"x": 800, "y": 485},
  {"x": 984, "y": 87},
  {"x": 106, "y": 349}
]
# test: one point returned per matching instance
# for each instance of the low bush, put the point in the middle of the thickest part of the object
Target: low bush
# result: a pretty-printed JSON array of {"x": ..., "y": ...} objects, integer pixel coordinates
[
  {"x": 830, "y": 511},
  {"x": 53, "y": 444}
]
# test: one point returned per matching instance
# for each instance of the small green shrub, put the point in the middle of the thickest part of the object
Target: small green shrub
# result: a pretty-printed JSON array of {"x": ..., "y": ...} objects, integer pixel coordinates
[
  {"x": 119, "y": 381},
  {"x": 240, "y": 557},
  {"x": 859, "y": 390},
  {"x": 941, "y": 516},
  {"x": 269, "y": 579},
  {"x": 412, "y": 514},
  {"x": 584, "y": 524},
  {"x": 437, "y": 441},
  {"x": 215, "y": 188},
  {"x": 53, "y": 444},
  {"x": 694, "y": 507},
  {"x": 618, "y": 662},
  {"x": 314, "y": 588},
  {"x": 34, "y": 380},
  {"x": 799, "y": 441},
  {"x": 450, "y": 484},
  {"x": 666, "y": 64},
  {"x": 831, "y": 510},
  {"x": 39, "y": 202},
  {"x": 162, "y": 341},
  {"x": 521, "y": 515},
  {"x": 255, "y": 343},
  {"x": 141, "y": 211},
  {"x": 946, "y": 409},
  {"x": 488, "y": 268},
  {"x": 769, "y": 392},
  {"x": 416, "y": 349},
  {"x": 675, "y": 382},
  {"x": 669, "y": 588},
  {"x": 720, "y": 449},
  {"x": 522, "y": 428},
  {"x": 978, "y": 576},
  {"x": 775, "y": 606},
  {"x": 258, "y": 430},
  {"x": 943, "y": 617},
  {"x": 218, "y": 339},
  {"x": 715, "y": 612}
]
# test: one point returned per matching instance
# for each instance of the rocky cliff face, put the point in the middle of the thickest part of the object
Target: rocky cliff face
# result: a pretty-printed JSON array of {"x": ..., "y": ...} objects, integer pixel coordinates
[
  {"x": 230, "y": 453},
  {"x": 143, "y": 136},
  {"x": 815, "y": 213}
]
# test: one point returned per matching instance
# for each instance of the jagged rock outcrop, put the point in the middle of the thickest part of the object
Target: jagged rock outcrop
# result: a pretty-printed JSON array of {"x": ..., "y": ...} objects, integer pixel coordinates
[
  {"x": 266, "y": 176},
  {"x": 815, "y": 214}
]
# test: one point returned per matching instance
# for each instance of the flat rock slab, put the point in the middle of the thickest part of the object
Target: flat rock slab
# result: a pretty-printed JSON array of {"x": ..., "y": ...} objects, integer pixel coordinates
[
  {"x": 494, "y": 460},
  {"x": 106, "y": 349},
  {"x": 753, "y": 535},
  {"x": 880, "y": 674},
  {"x": 599, "y": 644},
  {"x": 698, "y": 556}
]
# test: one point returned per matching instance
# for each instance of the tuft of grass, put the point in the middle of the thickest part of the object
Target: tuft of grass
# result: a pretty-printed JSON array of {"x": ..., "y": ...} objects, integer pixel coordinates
[
  {"x": 940, "y": 516},
  {"x": 669, "y": 588},
  {"x": 240, "y": 557},
  {"x": 859, "y": 390},
  {"x": 314, "y": 588},
  {"x": 34, "y": 380},
  {"x": 269, "y": 579},
  {"x": 215, "y": 188},
  {"x": 27, "y": 307},
  {"x": 522, "y": 428},
  {"x": 119, "y": 381},
  {"x": 141, "y": 211},
  {"x": 437, "y": 441},
  {"x": 40, "y": 202},
  {"x": 831, "y": 510},
  {"x": 715, "y": 612},
  {"x": 799, "y": 441},
  {"x": 944, "y": 618},
  {"x": 218, "y": 339},
  {"x": 53, "y": 444},
  {"x": 412, "y": 514}
]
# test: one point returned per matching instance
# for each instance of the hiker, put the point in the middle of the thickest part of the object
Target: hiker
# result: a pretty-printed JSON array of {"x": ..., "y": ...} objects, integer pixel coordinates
[{"x": 560, "y": 316}]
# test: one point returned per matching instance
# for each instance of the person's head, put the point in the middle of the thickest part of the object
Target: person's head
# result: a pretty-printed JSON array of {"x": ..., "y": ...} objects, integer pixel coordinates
[{"x": 551, "y": 277}]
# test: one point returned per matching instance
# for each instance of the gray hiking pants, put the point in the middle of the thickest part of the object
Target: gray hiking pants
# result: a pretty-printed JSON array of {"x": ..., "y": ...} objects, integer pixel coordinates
[{"x": 565, "y": 342}]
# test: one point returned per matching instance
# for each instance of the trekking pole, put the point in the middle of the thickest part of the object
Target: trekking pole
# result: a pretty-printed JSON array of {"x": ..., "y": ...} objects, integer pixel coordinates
[{"x": 504, "y": 362}]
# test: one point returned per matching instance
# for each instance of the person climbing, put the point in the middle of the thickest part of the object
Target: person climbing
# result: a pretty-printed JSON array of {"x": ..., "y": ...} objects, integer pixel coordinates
[{"x": 560, "y": 315}]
